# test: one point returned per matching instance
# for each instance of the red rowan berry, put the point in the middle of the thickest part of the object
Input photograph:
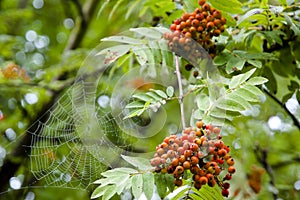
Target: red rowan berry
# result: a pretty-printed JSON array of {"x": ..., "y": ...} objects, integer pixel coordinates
[
  {"x": 196, "y": 73},
  {"x": 197, "y": 185},
  {"x": 230, "y": 161},
  {"x": 222, "y": 152},
  {"x": 203, "y": 180},
  {"x": 175, "y": 162},
  {"x": 170, "y": 169},
  {"x": 186, "y": 165},
  {"x": 225, "y": 193},
  {"x": 178, "y": 182},
  {"x": 173, "y": 27},
  {"x": 194, "y": 160},
  {"x": 226, "y": 185},
  {"x": 194, "y": 147},
  {"x": 201, "y": 2},
  {"x": 199, "y": 124},
  {"x": 231, "y": 169},
  {"x": 188, "y": 153},
  {"x": 179, "y": 169},
  {"x": 206, "y": 7},
  {"x": 227, "y": 177}
]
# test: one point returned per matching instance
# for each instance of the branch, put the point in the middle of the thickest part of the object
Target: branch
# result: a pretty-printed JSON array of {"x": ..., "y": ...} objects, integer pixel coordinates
[
  {"x": 295, "y": 120},
  {"x": 181, "y": 97},
  {"x": 262, "y": 157},
  {"x": 82, "y": 23},
  {"x": 15, "y": 159}
]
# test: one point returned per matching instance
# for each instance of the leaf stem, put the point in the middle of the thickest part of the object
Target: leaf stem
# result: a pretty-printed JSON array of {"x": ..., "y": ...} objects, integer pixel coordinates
[{"x": 181, "y": 96}]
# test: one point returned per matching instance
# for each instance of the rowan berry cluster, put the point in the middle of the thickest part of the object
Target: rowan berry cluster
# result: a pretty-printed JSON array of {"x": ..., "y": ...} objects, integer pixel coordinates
[
  {"x": 200, "y": 26},
  {"x": 198, "y": 151}
]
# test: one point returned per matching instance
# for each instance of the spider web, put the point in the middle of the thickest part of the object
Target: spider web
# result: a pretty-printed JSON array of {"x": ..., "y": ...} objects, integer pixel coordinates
[{"x": 80, "y": 139}]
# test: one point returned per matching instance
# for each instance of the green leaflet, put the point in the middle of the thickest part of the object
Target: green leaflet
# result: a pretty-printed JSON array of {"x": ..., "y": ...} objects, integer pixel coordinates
[
  {"x": 143, "y": 97},
  {"x": 137, "y": 185},
  {"x": 150, "y": 33},
  {"x": 160, "y": 93},
  {"x": 209, "y": 193},
  {"x": 239, "y": 79},
  {"x": 247, "y": 94},
  {"x": 170, "y": 91},
  {"x": 235, "y": 63},
  {"x": 101, "y": 190},
  {"x": 119, "y": 171},
  {"x": 229, "y": 104},
  {"x": 148, "y": 184},
  {"x": 140, "y": 163},
  {"x": 293, "y": 26},
  {"x": 231, "y": 6},
  {"x": 113, "y": 53},
  {"x": 257, "y": 81},
  {"x": 123, "y": 39},
  {"x": 110, "y": 191},
  {"x": 160, "y": 185},
  {"x": 203, "y": 102}
]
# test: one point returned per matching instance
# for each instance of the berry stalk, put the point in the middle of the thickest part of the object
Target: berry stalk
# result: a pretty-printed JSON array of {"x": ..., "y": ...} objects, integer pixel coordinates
[{"x": 181, "y": 97}]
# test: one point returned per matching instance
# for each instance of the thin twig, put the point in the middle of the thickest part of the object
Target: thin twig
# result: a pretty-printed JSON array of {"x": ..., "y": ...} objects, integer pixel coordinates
[
  {"x": 295, "y": 120},
  {"x": 181, "y": 96},
  {"x": 262, "y": 157}
]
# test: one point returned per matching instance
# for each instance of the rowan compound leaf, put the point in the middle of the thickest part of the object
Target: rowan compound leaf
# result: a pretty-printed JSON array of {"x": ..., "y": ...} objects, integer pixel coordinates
[
  {"x": 239, "y": 79},
  {"x": 137, "y": 185},
  {"x": 140, "y": 163},
  {"x": 148, "y": 184},
  {"x": 170, "y": 91}
]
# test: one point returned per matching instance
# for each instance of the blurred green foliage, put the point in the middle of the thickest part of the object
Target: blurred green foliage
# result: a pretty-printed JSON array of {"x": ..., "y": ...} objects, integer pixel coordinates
[{"x": 265, "y": 35}]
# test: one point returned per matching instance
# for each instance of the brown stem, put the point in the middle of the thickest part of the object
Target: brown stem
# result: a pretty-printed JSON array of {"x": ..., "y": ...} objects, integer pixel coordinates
[
  {"x": 262, "y": 157},
  {"x": 295, "y": 120}
]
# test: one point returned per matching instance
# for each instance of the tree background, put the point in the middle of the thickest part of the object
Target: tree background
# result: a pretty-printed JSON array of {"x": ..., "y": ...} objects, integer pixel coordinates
[{"x": 49, "y": 40}]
